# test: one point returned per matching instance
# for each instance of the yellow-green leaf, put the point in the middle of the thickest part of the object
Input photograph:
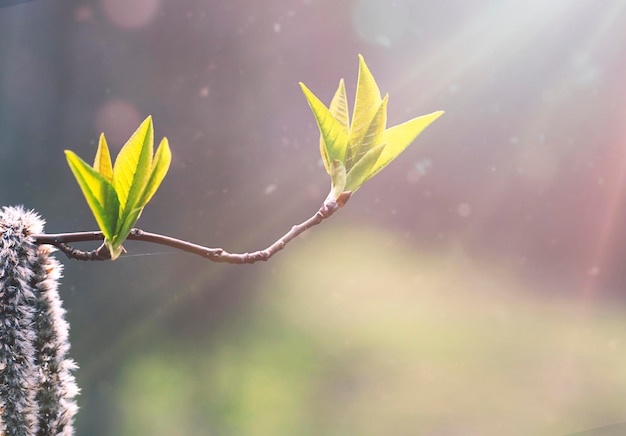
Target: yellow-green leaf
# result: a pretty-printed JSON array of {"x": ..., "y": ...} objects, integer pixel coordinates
[
  {"x": 339, "y": 109},
  {"x": 339, "y": 106},
  {"x": 133, "y": 165},
  {"x": 366, "y": 104},
  {"x": 369, "y": 146},
  {"x": 333, "y": 133},
  {"x": 370, "y": 135},
  {"x": 160, "y": 165},
  {"x": 124, "y": 228},
  {"x": 98, "y": 192},
  {"x": 118, "y": 193},
  {"x": 362, "y": 170},
  {"x": 102, "y": 162},
  {"x": 399, "y": 137}
]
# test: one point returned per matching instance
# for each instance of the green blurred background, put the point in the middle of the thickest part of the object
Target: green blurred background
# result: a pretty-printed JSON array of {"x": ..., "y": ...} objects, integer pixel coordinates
[{"x": 475, "y": 287}]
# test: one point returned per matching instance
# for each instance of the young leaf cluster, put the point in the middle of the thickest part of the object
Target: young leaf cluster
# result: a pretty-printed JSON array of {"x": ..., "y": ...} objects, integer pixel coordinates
[
  {"x": 354, "y": 152},
  {"x": 354, "y": 149},
  {"x": 118, "y": 193}
]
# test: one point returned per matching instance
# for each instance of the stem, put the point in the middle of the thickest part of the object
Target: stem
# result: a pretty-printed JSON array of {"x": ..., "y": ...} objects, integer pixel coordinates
[{"x": 61, "y": 240}]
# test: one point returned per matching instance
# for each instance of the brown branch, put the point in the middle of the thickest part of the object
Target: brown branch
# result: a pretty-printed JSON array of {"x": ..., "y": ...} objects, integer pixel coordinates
[{"x": 61, "y": 240}]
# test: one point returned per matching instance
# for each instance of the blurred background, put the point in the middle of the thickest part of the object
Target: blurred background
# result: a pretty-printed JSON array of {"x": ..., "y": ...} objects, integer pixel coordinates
[{"x": 474, "y": 287}]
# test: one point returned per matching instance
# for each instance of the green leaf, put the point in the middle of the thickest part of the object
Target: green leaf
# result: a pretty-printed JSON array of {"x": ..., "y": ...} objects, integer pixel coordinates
[
  {"x": 160, "y": 165},
  {"x": 124, "y": 228},
  {"x": 339, "y": 109},
  {"x": 333, "y": 132},
  {"x": 159, "y": 168},
  {"x": 371, "y": 135},
  {"x": 369, "y": 146},
  {"x": 366, "y": 105},
  {"x": 102, "y": 162},
  {"x": 399, "y": 137},
  {"x": 361, "y": 172},
  {"x": 132, "y": 167},
  {"x": 118, "y": 193},
  {"x": 339, "y": 106},
  {"x": 99, "y": 193}
]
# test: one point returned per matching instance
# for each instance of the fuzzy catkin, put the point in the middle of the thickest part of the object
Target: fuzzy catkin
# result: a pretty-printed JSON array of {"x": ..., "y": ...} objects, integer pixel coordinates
[
  {"x": 57, "y": 387},
  {"x": 37, "y": 388}
]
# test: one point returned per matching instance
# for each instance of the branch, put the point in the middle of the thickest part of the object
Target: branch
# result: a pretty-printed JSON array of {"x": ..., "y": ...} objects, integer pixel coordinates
[{"x": 61, "y": 240}]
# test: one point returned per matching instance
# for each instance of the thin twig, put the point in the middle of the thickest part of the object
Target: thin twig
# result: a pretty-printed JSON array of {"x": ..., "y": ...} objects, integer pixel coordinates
[{"x": 61, "y": 240}]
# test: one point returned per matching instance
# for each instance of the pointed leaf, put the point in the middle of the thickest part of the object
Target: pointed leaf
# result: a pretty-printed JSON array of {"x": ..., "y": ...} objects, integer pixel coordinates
[
  {"x": 160, "y": 165},
  {"x": 333, "y": 133},
  {"x": 339, "y": 109},
  {"x": 366, "y": 104},
  {"x": 361, "y": 171},
  {"x": 98, "y": 192},
  {"x": 124, "y": 227},
  {"x": 133, "y": 165},
  {"x": 102, "y": 162},
  {"x": 370, "y": 135},
  {"x": 339, "y": 106},
  {"x": 399, "y": 137}
]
